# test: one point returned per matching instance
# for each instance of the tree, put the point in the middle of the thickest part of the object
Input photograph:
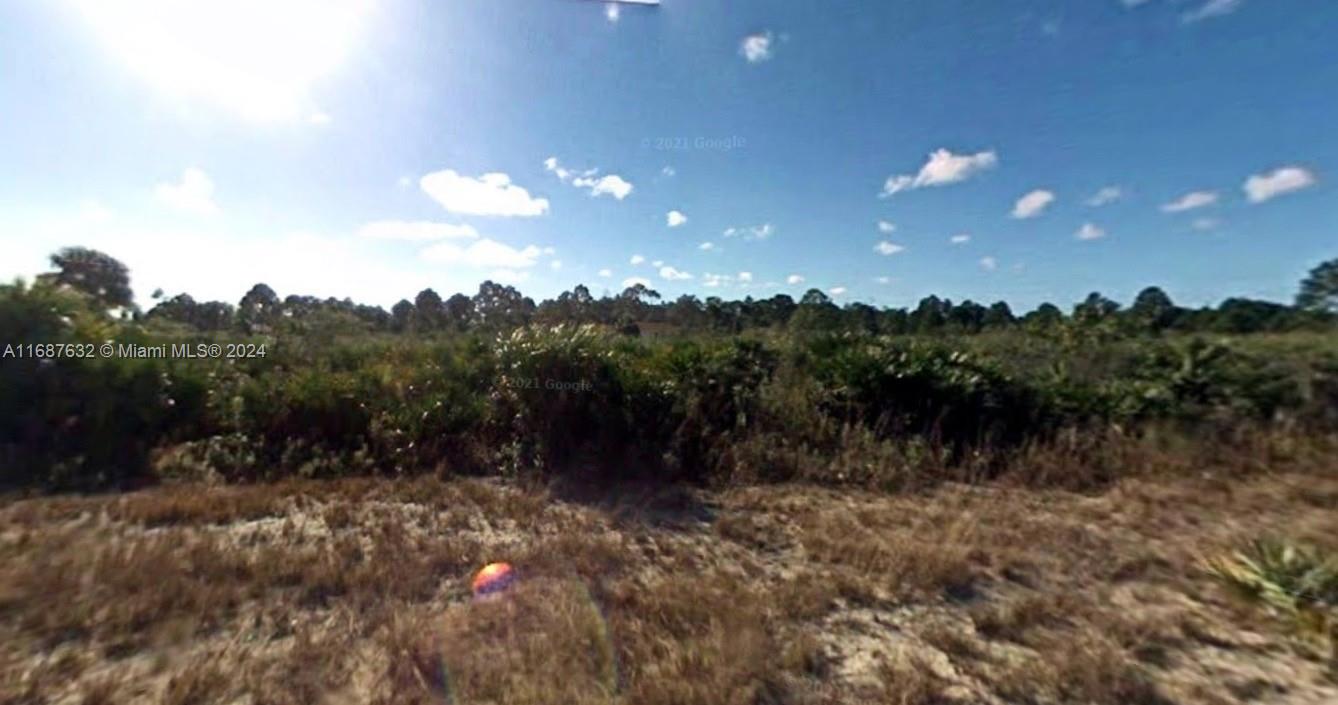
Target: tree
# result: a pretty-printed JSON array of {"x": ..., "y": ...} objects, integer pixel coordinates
[
  {"x": 999, "y": 315},
  {"x": 260, "y": 305},
  {"x": 816, "y": 312},
  {"x": 401, "y": 315},
  {"x": 429, "y": 311},
  {"x": 101, "y": 276},
  {"x": 501, "y": 306},
  {"x": 1046, "y": 316},
  {"x": 459, "y": 311},
  {"x": 1152, "y": 310},
  {"x": 930, "y": 315},
  {"x": 1094, "y": 309},
  {"x": 1319, "y": 290}
]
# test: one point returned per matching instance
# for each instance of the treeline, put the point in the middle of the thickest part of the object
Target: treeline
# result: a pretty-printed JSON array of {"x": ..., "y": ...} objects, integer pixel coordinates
[
  {"x": 808, "y": 390},
  {"x": 497, "y": 307}
]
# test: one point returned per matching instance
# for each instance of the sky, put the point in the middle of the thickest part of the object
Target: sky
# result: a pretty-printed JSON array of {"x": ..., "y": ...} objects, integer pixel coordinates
[{"x": 1029, "y": 151}]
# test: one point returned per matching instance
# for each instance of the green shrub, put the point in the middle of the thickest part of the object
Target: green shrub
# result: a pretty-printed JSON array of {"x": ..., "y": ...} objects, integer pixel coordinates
[{"x": 951, "y": 397}]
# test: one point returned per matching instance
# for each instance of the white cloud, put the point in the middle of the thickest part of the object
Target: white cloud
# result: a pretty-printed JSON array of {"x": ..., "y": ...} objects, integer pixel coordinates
[
  {"x": 1190, "y": 201},
  {"x": 960, "y": 239},
  {"x": 609, "y": 184},
  {"x": 756, "y": 48},
  {"x": 1210, "y": 9},
  {"x": 794, "y": 279},
  {"x": 1108, "y": 194},
  {"x": 1089, "y": 231},
  {"x": 550, "y": 251},
  {"x": 672, "y": 274},
  {"x": 611, "y": 11},
  {"x": 637, "y": 259},
  {"x": 657, "y": 263},
  {"x": 483, "y": 254},
  {"x": 713, "y": 281},
  {"x": 837, "y": 290},
  {"x": 886, "y": 227},
  {"x": 745, "y": 277},
  {"x": 555, "y": 265},
  {"x": 988, "y": 264},
  {"x": 404, "y": 182},
  {"x": 883, "y": 280},
  {"x": 1204, "y": 224},
  {"x": 193, "y": 194},
  {"x": 633, "y": 281},
  {"x": 1133, "y": 3},
  {"x": 1262, "y": 187},
  {"x": 490, "y": 194},
  {"x": 675, "y": 218},
  {"x": 508, "y": 276},
  {"x": 668, "y": 171},
  {"x": 706, "y": 246},
  {"x": 1032, "y": 204},
  {"x": 887, "y": 248},
  {"x": 751, "y": 232},
  {"x": 606, "y": 273},
  {"x": 319, "y": 118},
  {"x": 942, "y": 168},
  {"x": 416, "y": 231}
]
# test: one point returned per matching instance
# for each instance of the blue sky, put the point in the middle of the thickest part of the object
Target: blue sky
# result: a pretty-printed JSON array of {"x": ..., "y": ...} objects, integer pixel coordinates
[{"x": 371, "y": 149}]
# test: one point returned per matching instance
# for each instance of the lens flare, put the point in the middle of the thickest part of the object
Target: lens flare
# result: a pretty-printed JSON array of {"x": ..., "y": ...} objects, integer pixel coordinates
[{"x": 492, "y": 579}]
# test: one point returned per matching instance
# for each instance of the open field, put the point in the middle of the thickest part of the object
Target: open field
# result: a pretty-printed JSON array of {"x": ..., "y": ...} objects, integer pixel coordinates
[{"x": 356, "y": 590}]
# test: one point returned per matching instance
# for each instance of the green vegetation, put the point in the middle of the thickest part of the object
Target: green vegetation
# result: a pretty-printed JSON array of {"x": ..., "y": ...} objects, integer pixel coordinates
[
  {"x": 625, "y": 387},
  {"x": 1297, "y": 582}
]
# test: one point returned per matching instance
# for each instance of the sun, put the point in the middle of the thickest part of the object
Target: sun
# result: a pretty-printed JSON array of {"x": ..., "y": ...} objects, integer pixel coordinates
[{"x": 257, "y": 58}]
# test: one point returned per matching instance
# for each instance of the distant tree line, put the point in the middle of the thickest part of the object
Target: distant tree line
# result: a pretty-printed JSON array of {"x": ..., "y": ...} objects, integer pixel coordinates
[{"x": 499, "y": 307}]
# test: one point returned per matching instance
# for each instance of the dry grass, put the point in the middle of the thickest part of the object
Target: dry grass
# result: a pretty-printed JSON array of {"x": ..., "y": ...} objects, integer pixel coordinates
[{"x": 357, "y": 591}]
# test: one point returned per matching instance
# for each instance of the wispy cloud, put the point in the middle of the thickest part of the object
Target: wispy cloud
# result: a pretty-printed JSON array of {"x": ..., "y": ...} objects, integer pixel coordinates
[
  {"x": 608, "y": 184},
  {"x": 960, "y": 239},
  {"x": 1089, "y": 231},
  {"x": 672, "y": 274},
  {"x": 942, "y": 168},
  {"x": 637, "y": 259},
  {"x": 1190, "y": 201},
  {"x": 492, "y": 194},
  {"x": 483, "y": 254},
  {"x": 1210, "y": 9},
  {"x": 887, "y": 248},
  {"x": 417, "y": 231},
  {"x": 988, "y": 264},
  {"x": 1204, "y": 224},
  {"x": 605, "y": 273},
  {"x": 1033, "y": 204},
  {"x": 886, "y": 227},
  {"x": 1106, "y": 195},
  {"x": 751, "y": 232},
  {"x": 1263, "y": 187},
  {"x": 706, "y": 246},
  {"x": 193, "y": 194}
]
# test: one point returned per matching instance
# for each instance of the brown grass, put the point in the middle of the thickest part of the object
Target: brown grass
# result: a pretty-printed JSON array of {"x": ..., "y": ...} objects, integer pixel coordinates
[{"x": 357, "y": 591}]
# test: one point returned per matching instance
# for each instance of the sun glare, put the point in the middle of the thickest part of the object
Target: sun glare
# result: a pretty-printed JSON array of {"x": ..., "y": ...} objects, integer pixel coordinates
[{"x": 258, "y": 58}]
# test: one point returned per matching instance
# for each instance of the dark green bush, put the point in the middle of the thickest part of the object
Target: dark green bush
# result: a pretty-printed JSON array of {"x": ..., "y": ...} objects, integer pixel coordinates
[{"x": 951, "y": 397}]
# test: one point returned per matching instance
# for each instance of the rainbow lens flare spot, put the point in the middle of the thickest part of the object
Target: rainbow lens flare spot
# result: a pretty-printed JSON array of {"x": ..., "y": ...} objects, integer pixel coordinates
[{"x": 493, "y": 578}]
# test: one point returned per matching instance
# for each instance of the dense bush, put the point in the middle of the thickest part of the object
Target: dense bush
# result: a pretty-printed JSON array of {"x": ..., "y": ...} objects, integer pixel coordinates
[
  {"x": 584, "y": 400},
  {"x": 908, "y": 390}
]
